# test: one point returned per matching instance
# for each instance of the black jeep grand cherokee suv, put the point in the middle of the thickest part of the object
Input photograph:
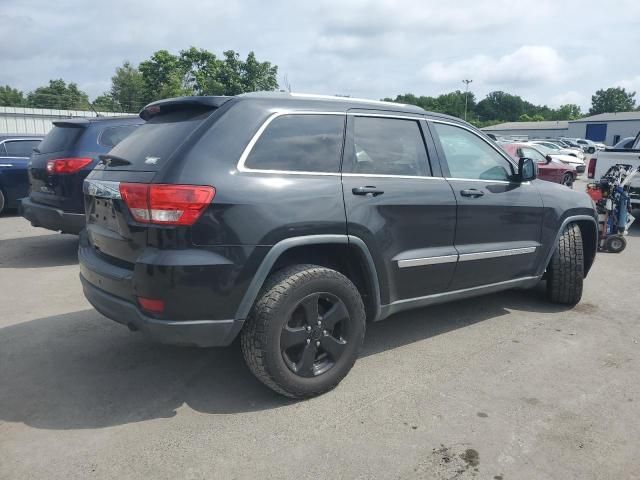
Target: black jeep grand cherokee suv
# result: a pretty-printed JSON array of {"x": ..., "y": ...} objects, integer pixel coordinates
[{"x": 292, "y": 220}]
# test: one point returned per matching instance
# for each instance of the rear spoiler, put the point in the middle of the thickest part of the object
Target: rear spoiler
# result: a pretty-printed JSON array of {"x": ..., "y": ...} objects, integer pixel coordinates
[
  {"x": 180, "y": 103},
  {"x": 72, "y": 122}
]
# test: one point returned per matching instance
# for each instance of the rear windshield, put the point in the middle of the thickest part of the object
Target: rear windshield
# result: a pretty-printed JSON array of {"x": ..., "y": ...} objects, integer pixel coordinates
[
  {"x": 151, "y": 144},
  {"x": 60, "y": 138}
]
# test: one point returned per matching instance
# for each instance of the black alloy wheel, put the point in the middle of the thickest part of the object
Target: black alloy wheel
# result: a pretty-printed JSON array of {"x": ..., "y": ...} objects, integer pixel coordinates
[{"x": 316, "y": 334}]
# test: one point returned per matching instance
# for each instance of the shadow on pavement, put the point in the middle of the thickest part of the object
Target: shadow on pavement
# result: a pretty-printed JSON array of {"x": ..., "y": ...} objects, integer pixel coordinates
[
  {"x": 80, "y": 370},
  {"x": 39, "y": 251}
]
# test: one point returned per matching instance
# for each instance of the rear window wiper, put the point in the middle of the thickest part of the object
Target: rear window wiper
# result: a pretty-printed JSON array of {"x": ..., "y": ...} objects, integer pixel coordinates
[{"x": 113, "y": 160}]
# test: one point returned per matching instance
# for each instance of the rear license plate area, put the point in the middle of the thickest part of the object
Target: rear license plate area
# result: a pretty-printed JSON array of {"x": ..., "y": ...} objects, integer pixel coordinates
[{"x": 103, "y": 213}]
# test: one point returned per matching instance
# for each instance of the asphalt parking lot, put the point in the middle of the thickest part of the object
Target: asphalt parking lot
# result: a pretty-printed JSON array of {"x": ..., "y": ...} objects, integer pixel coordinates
[{"x": 505, "y": 386}]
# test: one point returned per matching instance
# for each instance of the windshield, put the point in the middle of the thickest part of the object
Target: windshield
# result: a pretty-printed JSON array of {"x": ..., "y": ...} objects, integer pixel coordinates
[{"x": 543, "y": 149}]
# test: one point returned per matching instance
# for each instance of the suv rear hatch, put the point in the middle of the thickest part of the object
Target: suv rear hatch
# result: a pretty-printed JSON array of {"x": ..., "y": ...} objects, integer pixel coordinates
[
  {"x": 56, "y": 151},
  {"x": 125, "y": 210}
]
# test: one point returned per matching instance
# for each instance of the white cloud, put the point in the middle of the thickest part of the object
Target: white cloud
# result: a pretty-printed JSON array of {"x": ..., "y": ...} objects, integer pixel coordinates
[
  {"x": 368, "y": 48},
  {"x": 631, "y": 84},
  {"x": 528, "y": 65},
  {"x": 571, "y": 96}
]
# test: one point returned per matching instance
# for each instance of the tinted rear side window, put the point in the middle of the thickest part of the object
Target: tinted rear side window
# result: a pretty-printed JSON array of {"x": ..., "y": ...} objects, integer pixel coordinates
[
  {"x": 301, "y": 143},
  {"x": 60, "y": 139},
  {"x": 111, "y": 136},
  {"x": 388, "y": 146},
  {"x": 150, "y": 145},
  {"x": 20, "y": 148}
]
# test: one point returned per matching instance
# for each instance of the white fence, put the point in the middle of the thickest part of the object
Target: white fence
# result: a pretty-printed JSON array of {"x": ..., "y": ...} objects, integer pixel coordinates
[{"x": 38, "y": 120}]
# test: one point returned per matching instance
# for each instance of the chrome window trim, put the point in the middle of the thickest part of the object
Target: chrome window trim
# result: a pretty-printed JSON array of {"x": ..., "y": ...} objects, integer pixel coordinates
[
  {"x": 467, "y": 257},
  {"x": 9, "y": 164},
  {"x": 102, "y": 189},
  {"x": 507, "y": 182},
  {"x": 380, "y": 175},
  {"x": 281, "y": 112},
  {"x": 503, "y": 155},
  {"x": 419, "y": 262}
]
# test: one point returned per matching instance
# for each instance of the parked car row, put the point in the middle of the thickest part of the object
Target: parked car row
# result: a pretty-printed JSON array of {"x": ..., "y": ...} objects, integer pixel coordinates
[{"x": 554, "y": 163}]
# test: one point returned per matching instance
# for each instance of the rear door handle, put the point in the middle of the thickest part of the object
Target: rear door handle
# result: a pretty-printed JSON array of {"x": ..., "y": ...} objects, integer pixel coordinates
[
  {"x": 367, "y": 190},
  {"x": 472, "y": 192}
]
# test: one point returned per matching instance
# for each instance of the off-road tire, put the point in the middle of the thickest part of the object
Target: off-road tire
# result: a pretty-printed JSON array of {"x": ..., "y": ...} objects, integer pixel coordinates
[
  {"x": 565, "y": 272},
  {"x": 260, "y": 336}
]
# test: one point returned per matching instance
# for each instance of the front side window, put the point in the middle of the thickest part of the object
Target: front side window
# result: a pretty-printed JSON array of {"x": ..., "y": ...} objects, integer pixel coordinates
[
  {"x": 20, "y": 148},
  {"x": 388, "y": 146},
  {"x": 299, "y": 143},
  {"x": 470, "y": 157}
]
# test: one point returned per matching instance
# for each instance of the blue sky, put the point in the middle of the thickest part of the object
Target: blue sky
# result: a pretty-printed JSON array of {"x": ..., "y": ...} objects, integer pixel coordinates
[{"x": 548, "y": 52}]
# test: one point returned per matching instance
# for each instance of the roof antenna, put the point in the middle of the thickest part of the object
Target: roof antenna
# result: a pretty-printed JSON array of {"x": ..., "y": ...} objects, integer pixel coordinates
[
  {"x": 93, "y": 109},
  {"x": 287, "y": 85}
]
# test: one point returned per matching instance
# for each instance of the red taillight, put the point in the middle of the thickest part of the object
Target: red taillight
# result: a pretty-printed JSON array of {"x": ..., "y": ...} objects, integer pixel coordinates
[
  {"x": 166, "y": 204},
  {"x": 63, "y": 166},
  {"x": 591, "y": 171},
  {"x": 151, "y": 305}
]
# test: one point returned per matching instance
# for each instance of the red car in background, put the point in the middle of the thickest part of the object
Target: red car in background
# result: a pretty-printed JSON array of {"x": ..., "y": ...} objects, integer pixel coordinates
[{"x": 548, "y": 169}]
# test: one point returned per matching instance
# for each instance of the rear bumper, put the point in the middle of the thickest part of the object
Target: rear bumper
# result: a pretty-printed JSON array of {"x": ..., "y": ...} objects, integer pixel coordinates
[
  {"x": 199, "y": 333},
  {"x": 51, "y": 218}
]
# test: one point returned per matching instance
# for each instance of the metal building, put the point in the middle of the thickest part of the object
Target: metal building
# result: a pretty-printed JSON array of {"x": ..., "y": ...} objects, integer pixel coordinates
[
  {"x": 545, "y": 129},
  {"x": 608, "y": 128},
  {"x": 38, "y": 120}
]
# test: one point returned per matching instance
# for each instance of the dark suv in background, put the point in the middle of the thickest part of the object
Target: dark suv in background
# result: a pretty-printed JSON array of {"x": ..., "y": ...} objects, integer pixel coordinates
[
  {"x": 15, "y": 151},
  {"x": 60, "y": 164},
  {"x": 292, "y": 220}
]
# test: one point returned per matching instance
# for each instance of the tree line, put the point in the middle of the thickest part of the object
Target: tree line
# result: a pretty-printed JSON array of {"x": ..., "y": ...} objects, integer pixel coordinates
[
  {"x": 498, "y": 106},
  {"x": 200, "y": 72},
  {"x": 191, "y": 72}
]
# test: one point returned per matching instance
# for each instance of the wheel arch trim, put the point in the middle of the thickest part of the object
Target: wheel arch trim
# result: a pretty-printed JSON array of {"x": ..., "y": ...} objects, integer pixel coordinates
[
  {"x": 281, "y": 247},
  {"x": 565, "y": 222}
]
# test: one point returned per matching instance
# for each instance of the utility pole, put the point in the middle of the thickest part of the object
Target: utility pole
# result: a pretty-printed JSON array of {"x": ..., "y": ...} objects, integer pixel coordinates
[{"x": 466, "y": 94}]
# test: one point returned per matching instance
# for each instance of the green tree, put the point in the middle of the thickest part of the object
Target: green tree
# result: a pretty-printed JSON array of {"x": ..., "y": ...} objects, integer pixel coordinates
[
  {"x": 569, "y": 111},
  {"x": 502, "y": 106},
  {"x": 127, "y": 88},
  {"x": 11, "y": 97},
  {"x": 200, "y": 72},
  {"x": 106, "y": 103},
  {"x": 163, "y": 77},
  {"x": 258, "y": 76},
  {"x": 59, "y": 94},
  {"x": 451, "y": 103},
  {"x": 615, "y": 99}
]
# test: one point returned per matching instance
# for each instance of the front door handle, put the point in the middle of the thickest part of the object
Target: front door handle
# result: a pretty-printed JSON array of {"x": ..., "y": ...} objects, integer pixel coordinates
[
  {"x": 367, "y": 190},
  {"x": 472, "y": 192}
]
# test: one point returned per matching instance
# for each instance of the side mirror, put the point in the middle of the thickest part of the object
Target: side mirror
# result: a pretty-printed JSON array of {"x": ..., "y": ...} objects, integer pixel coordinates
[
  {"x": 549, "y": 158},
  {"x": 526, "y": 170}
]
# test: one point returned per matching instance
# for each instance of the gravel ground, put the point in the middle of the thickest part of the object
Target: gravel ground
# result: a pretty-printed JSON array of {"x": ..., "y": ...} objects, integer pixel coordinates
[{"x": 505, "y": 386}]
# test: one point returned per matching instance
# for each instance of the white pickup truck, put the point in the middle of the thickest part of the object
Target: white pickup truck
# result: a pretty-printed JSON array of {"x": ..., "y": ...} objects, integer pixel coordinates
[{"x": 605, "y": 159}]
